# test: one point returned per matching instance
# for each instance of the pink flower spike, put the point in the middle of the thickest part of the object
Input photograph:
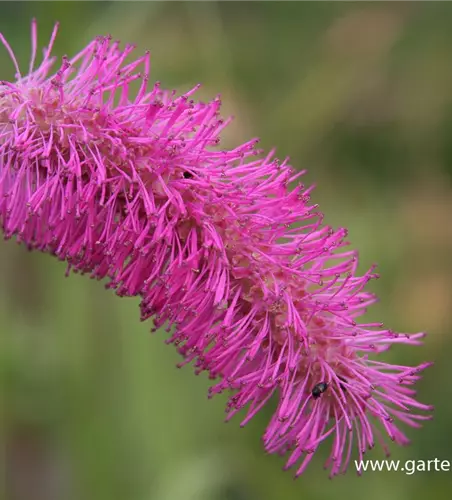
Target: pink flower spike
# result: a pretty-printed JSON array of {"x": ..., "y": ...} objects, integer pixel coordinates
[{"x": 253, "y": 287}]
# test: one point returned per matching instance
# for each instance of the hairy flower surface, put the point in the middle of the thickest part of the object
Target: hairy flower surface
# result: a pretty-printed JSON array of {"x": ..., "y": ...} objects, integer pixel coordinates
[{"x": 127, "y": 183}]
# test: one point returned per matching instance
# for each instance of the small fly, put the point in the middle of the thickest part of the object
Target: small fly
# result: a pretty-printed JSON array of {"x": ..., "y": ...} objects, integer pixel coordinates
[{"x": 319, "y": 389}]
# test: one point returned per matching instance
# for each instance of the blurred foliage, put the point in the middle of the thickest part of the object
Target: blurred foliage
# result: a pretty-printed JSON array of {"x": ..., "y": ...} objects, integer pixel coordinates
[{"x": 360, "y": 94}]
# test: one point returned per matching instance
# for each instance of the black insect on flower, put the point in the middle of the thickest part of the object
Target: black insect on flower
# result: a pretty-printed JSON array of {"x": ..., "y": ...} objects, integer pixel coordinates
[{"x": 319, "y": 389}]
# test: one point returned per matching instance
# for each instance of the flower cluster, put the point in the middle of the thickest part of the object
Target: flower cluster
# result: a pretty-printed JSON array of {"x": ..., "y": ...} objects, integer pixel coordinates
[{"x": 127, "y": 183}]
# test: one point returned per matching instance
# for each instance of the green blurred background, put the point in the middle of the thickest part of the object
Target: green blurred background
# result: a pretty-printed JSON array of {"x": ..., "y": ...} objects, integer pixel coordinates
[{"x": 92, "y": 406}]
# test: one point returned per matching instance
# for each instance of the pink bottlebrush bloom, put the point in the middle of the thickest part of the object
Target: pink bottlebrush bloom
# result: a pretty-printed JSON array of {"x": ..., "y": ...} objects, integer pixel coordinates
[{"x": 254, "y": 288}]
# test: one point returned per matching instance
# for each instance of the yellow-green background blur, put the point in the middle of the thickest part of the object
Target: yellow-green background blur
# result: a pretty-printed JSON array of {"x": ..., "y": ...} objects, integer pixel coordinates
[{"x": 92, "y": 406}]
